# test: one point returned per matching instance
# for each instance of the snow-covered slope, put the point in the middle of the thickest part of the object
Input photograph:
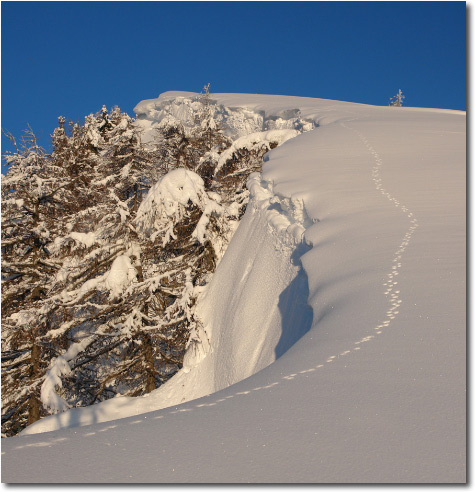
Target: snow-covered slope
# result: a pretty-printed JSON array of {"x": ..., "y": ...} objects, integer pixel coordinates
[{"x": 374, "y": 390}]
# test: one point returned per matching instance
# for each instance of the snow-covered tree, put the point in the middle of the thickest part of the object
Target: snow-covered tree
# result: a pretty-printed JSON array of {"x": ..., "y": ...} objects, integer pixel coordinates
[
  {"x": 398, "y": 99},
  {"x": 103, "y": 251},
  {"x": 209, "y": 139},
  {"x": 35, "y": 196},
  {"x": 130, "y": 168}
]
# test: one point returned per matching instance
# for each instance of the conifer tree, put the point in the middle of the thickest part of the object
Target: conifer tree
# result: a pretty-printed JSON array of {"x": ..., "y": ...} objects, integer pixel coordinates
[
  {"x": 209, "y": 140},
  {"x": 34, "y": 198},
  {"x": 397, "y": 100}
]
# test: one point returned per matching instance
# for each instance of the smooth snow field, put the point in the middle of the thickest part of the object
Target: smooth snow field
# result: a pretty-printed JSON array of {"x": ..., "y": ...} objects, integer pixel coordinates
[{"x": 335, "y": 344}]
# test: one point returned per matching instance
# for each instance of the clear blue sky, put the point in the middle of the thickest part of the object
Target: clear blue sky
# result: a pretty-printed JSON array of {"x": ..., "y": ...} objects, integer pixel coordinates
[{"x": 70, "y": 58}]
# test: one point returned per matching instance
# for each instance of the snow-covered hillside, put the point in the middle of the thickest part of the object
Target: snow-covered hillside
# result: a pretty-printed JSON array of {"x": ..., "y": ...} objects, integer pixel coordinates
[{"x": 363, "y": 218}]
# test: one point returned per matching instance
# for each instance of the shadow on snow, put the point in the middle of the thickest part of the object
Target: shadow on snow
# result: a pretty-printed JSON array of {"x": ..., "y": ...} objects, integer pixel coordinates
[{"x": 297, "y": 315}]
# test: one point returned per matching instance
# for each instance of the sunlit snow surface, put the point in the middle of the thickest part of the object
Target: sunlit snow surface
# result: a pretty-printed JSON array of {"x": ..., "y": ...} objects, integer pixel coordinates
[{"x": 372, "y": 205}]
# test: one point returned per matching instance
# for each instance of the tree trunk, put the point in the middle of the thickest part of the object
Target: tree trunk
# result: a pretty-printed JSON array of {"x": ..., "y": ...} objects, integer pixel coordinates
[
  {"x": 136, "y": 199},
  {"x": 34, "y": 404},
  {"x": 33, "y": 409},
  {"x": 150, "y": 382}
]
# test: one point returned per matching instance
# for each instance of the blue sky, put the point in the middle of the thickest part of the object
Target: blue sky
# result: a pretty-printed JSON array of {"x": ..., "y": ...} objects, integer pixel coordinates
[{"x": 70, "y": 58}]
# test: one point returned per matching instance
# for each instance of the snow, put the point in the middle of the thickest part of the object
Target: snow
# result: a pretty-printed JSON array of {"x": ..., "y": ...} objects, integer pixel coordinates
[
  {"x": 59, "y": 367},
  {"x": 168, "y": 198},
  {"x": 333, "y": 328},
  {"x": 49, "y": 397},
  {"x": 177, "y": 187},
  {"x": 87, "y": 239},
  {"x": 235, "y": 120},
  {"x": 249, "y": 141},
  {"x": 211, "y": 207},
  {"x": 121, "y": 274}
]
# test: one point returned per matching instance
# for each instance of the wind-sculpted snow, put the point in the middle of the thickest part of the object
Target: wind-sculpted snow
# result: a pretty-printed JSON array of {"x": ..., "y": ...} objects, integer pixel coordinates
[
  {"x": 241, "y": 123},
  {"x": 364, "y": 220}
]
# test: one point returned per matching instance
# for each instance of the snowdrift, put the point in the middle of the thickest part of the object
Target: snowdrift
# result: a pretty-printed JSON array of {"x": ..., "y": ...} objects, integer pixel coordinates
[{"x": 363, "y": 219}]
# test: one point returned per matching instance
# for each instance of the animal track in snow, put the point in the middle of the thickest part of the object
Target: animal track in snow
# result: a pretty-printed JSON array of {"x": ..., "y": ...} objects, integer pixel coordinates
[{"x": 389, "y": 286}]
